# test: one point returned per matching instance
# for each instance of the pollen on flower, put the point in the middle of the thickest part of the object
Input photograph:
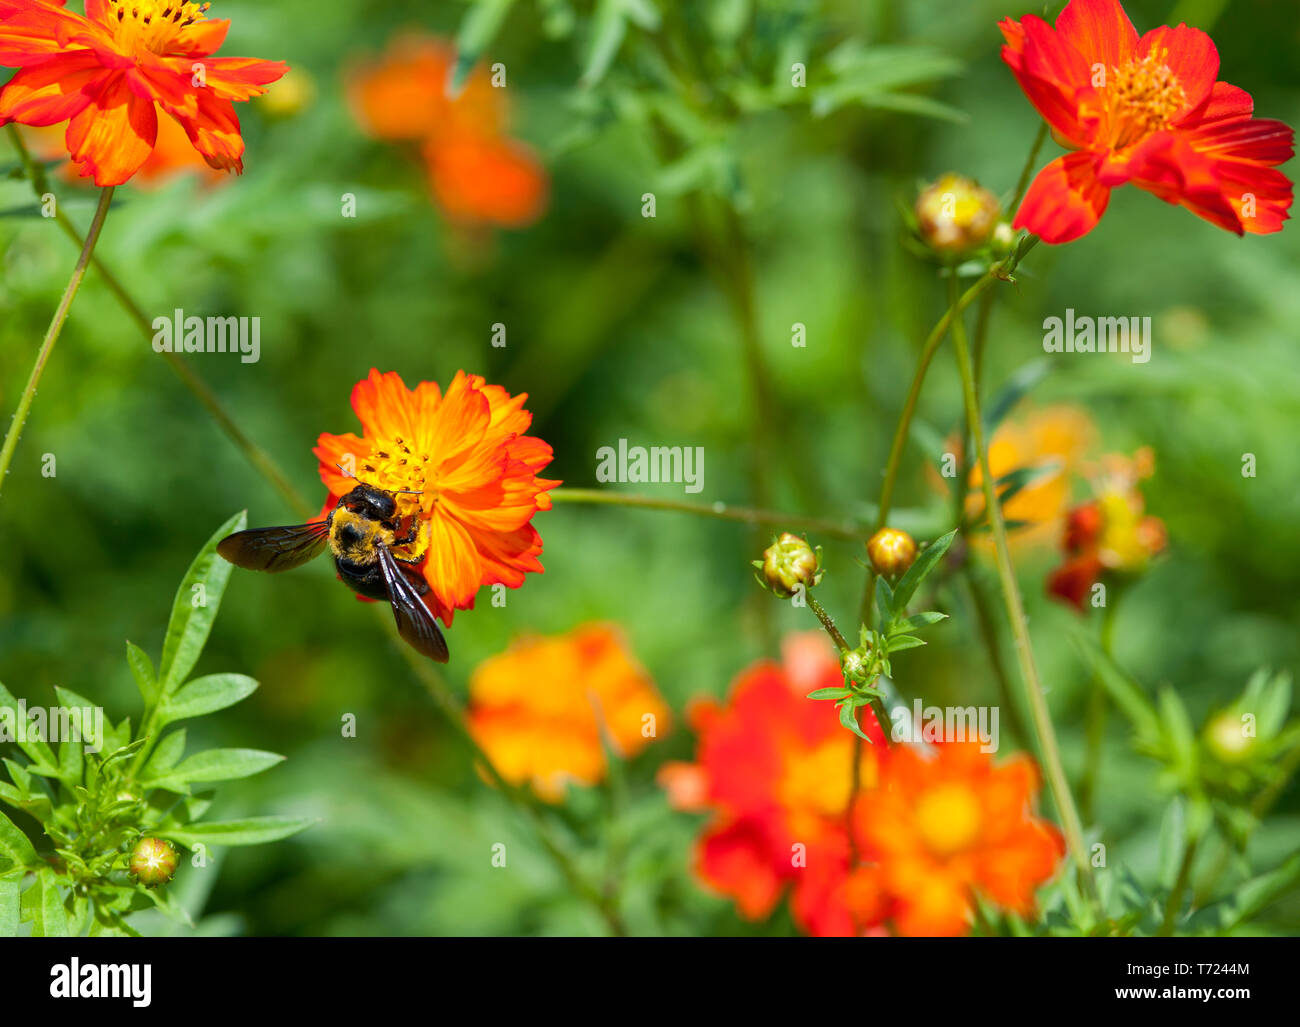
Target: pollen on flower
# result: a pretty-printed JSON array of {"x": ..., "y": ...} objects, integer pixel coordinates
[
  {"x": 1144, "y": 96},
  {"x": 153, "y": 25},
  {"x": 948, "y": 818}
]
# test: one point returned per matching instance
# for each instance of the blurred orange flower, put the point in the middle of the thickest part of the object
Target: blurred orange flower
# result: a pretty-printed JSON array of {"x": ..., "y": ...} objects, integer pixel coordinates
[
  {"x": 1052, "y": 440},
  {"x": 945, "y": 823},
  {"x": 539, "y": 708},
  {"x": 477, "y": 173},
  {"x": 1111, "y": 532},
  {"x": 473, "y": 471},
  {"x": 775, "y": 769},
  {"x": 172, "y": 156},
  {"x": 107, "y": 74}
]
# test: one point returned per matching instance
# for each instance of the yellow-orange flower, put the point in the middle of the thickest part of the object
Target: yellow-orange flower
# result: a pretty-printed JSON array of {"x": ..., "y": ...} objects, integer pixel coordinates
[
  {"x": 1054, "y": 440},
  {"x": 539, "y": 708},
  {"x": 108, "y": 73},
  {"x": 946, "y": 823},
  {"x": 172, "y": 156},
  {"x": 471, "y": 472},
  {"x": 477, "y": 173}
]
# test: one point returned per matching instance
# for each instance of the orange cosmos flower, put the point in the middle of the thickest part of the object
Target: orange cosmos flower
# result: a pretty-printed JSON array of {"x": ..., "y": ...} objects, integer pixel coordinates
[
  {"x": 1110, "y": 533},
  {"x": 944, "y": 823},
  {"x": 107, "y": 74},
  {"x": 1145, "y": 110},
  {"x": 539, "y": 709},
  {"x": 477, "y": 173},
  {"x": 475, "y": 471},
  {"x": 1050, "y": 442},
  {"x": 775, "y": 769}
]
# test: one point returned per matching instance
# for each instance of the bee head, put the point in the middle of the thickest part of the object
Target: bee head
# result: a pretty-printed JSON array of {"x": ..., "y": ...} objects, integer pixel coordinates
[{"x": 370, "y": 501}]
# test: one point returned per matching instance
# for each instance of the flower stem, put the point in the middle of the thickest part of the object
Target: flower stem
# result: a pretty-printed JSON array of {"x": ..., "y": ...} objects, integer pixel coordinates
[
  {"x": 1175, "y": 900},
  {"x": 1095, "y": 716},
  {"x": 877, "y": 706},
  {"x": 52, "y": 334},
  {"x": 520, "y": 798},
  {"x": 1051, "y": 755},
  {"x": 845, "y": 529},
  {"x": 255, "y": 455}
]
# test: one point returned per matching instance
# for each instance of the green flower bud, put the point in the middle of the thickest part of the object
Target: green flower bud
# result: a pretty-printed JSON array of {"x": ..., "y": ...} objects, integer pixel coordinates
[
  {"x": 153, "y": 862},
  {"x": 787, "y": 564}
]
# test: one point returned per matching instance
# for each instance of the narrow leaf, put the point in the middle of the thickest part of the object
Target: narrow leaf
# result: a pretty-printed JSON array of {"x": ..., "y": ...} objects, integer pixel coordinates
[
  {"x": 15, "y": 847},
  {"x": 142, "y": 670},
  {"x": 215, "y": 765},
  {"x": 207, "y": 695},
  {"x": 195, "y": 608},
  {"x": 250, "y": 831},
  {"x": 926, "y": 562}
]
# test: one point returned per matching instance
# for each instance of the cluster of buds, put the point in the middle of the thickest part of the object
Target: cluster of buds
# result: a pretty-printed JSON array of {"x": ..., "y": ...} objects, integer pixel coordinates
[
  {"x": 789, "y": 565},
  {"x": 956, "y": 216}
]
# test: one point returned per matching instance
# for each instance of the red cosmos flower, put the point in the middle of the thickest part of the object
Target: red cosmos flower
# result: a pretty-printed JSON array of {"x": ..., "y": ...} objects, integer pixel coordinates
[
  {"x": 1145, "y": 110},
  {"x": 775, "y": 769},
  {"x": 470, "y": 470},
  {"x": 1110, "y": 533},
  {"x": 109, "y": 72}
]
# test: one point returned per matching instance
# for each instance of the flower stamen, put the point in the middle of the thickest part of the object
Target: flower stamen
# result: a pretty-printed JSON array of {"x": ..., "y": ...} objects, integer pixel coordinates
[
  {"x": 154, "y": 25},
  {"x": 1144, "y": 96}
]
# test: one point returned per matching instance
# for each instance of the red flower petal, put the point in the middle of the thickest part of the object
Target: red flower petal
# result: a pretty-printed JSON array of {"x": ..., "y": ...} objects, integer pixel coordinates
[
  {"x": 115, "y": 134},
  {"x": 1100, "y": 30},
  {"x": 1065, "y": 201},
  {"x": 1190, "y": 54}
]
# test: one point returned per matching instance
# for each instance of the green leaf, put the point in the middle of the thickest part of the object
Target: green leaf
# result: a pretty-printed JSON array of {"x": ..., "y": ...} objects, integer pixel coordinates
[
  {"x": 849, "y": 718},
  {"x": 207, "y": 695},
  {"x": 215, "y": 765},
  {"x": 1128, "y": 695},
  {"x": 188, "y": 628},
  {"x": 42, "y": 904},
  {"x": 36, "y": 749},
  {"x": 921, "y": 620},
  {"x": 828, "y": 693},
  {"x": 477, "y": 30},
  {"x": 1019, "y": 384},
  {"x": 884, "y": 603},
  {"x": 917, "y": 573},
  {"x": 15, "y": 847},
  {"x": 11, "y": 887},
  {"x": 166, "y": 755},
  {"x": 1178, "y": 732},
  {"x": 898, "y": 643},
  {"x": 250, "y": 831},
  {"x": 142, "y": 670},
  {"x": 1173, "y": 841},
  {"x": 1249, "y": 898}
]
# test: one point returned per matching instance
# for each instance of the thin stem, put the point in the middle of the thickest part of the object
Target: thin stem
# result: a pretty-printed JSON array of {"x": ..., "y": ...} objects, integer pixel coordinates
[
  {"x": 52, "y": 334},
  {"x": 255, "y": 455},
  {"x": 1095, "y": 717},
  {"x": 1051, "y": 755},
  {"x": 521, "y": 799},
  {"x": 1023, "y": 185},
  {"x": 845, "y": 529},
  {"x": 840, "y": 642},
  {"x": 989, "y": 635},
  {"x": 1175, "y": 900}
]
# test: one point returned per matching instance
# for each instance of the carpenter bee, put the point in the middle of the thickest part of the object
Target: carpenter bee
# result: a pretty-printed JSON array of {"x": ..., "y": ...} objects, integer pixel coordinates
[{"x": 361, "y": 533}]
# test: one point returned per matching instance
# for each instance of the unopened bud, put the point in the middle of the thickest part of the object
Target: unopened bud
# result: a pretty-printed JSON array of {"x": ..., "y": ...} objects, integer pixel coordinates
[
  {"x": 891, "y": 552},
  {"x": 956, "y": 215},
  {"x": 788, "y": 564},
  {"x": 1228, "y": 738},
  {"x": 153, "y": 861}
]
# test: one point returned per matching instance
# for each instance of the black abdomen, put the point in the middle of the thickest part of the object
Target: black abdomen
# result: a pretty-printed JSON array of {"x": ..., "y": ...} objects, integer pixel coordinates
[{"x": 365, "y": 579}]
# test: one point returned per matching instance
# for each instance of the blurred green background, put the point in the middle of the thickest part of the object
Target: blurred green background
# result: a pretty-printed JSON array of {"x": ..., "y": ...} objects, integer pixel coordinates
[{"x": 617, "y": 328}]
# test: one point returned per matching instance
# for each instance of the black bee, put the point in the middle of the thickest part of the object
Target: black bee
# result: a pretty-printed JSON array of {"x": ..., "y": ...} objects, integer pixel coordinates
[{"x": 361, "y": 533}]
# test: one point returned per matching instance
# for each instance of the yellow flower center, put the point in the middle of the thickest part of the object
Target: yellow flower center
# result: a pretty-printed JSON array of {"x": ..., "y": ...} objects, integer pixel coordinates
[
  {"x": 948, "y": 819},
  {"x": 153, "y": 25},
  {"x": 819, "y": 780},
  {"x": 1144, "y": 95},
  {"x": 396, "y": 466}
]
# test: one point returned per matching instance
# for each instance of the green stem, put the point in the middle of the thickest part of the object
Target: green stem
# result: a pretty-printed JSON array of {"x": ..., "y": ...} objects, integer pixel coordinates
[
  {"x": 523, "y": 801},
  {"x": 1175, "y": 900},
  {"x": 1027, "y": 171},
  {"x": 877, "y": 706},
  {"x": 52, "y": 334},
  {"x": 255, "y": 455},
  {"x": 989, "y": 635},
  {"x": 1051, "y": 755},
  {"x": 721, "y": 511},
  {"x": 1095, "y": 717}
]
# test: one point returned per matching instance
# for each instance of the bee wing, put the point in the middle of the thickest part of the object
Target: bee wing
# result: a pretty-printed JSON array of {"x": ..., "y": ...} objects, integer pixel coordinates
[
  {"x": 414, "y": 621},
  {"x": 275, "y": 549}
]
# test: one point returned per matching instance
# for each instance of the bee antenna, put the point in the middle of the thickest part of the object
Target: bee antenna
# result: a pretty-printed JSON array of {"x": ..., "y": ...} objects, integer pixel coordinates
[
  {"x": 408, "y": 492},
  {"x": 346, "y": 473}
]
